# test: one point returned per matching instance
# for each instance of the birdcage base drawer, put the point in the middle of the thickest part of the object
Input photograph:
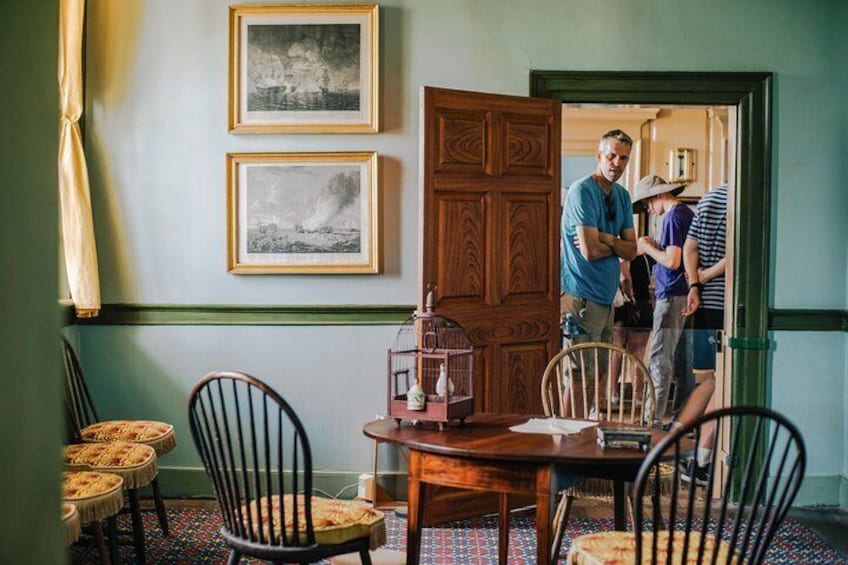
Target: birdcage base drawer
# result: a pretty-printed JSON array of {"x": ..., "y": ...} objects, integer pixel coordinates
[{"x": 435, "y": 410}]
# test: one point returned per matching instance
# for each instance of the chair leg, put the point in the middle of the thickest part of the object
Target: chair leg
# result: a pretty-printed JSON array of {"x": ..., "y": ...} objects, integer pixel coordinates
[
  {"x": 112, "y": 533},
  {"x": 234, "y": 558},
  {"x": 365, "y": 556},
  {"x": 160, "y": 508},
  {"x": 560, "y": 520},
  {"x": 656, "y": 500},
  {"x": 138, "y": 526},
  {"x": 100, "y": 542}
]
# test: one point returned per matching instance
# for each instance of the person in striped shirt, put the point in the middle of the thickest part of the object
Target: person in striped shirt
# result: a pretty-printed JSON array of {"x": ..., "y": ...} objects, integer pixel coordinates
[
  {"x": 704, "y": 260},
  {"x": 703, "y": 257}
]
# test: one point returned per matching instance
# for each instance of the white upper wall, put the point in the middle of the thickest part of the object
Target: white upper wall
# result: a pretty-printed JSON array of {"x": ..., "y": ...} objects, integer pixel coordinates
[{"x": 157, "y": 128}]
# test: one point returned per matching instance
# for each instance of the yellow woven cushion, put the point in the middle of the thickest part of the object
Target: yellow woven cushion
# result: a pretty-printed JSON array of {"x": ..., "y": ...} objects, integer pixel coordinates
[
  {"x": 96, "y": 495},
  {"x": 158, "y": 435},
  {"x": 602, "y": 488},
  {"x": 619, "y": 548},
  {"x": 134, "y": 462},
  {"x": 334, "y": 521}
]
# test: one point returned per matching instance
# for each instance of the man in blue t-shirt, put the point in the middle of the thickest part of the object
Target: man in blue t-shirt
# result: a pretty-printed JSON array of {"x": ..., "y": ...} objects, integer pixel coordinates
[
  {"x": 660, "y": 198},
  {"x": 597, "y": 229}
]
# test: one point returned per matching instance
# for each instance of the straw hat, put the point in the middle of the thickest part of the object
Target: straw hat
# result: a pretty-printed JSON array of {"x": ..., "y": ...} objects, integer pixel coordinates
[{"x": 652, "y": 185}]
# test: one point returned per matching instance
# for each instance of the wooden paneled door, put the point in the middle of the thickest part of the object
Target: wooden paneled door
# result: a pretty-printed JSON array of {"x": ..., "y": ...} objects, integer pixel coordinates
[{"x": 489, "y": 243}]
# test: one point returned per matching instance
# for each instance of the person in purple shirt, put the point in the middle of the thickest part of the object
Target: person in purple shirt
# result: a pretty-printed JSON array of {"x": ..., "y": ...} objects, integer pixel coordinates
[{"x": 658, "y": 197}]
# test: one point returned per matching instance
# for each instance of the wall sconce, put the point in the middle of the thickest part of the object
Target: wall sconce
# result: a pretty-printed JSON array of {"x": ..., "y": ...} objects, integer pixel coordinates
[{"x": 681, "y": 165}]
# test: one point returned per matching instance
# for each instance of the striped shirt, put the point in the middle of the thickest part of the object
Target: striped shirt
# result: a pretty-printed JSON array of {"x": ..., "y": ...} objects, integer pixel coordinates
[{"x": 709, "y": 229}]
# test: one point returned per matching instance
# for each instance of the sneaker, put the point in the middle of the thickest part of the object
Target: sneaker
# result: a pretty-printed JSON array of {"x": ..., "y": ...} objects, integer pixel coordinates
[{"x": 700, "y": 475}]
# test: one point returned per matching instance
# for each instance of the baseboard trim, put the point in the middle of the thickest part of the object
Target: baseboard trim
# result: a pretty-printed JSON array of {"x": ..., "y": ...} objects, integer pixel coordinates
[
  {"x": 126, "y": 314},
  {"x": 192, "y": 482},
  {"x": 822, "y": 490}
]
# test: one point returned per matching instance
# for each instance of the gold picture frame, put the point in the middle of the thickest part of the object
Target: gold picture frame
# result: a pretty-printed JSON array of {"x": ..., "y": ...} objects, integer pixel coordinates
[
  {"x": 304, "y": 68},
  {"x": 303, "y": 213}
]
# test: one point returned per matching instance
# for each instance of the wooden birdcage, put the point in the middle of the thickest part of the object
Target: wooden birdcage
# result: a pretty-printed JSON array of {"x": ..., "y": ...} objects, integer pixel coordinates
[{"x": 429, "y": 345}]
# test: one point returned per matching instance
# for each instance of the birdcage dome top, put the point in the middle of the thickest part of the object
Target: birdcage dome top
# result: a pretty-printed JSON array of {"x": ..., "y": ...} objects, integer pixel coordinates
[{"x": 429, "y": 331}]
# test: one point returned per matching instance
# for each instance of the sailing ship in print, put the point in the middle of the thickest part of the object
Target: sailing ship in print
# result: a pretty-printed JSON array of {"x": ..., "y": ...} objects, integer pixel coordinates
[
  {"x": 303, "y": 67},
  {"x": 287, "y": 214}
]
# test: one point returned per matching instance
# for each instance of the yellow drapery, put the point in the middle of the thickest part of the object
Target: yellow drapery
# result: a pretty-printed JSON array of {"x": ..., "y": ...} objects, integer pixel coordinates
[{"x": 74, "y": 196}]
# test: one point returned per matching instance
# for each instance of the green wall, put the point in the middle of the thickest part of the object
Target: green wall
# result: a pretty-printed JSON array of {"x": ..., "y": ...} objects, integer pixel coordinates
[
  {"x": 157, "y": 138},
  {"x": 30, "y": 407}
]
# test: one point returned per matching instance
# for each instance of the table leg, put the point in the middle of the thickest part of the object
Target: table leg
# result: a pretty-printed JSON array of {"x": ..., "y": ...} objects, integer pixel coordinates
[
  {"x": 416, "y": 493},
  {"x": 618, "y": 504},
  {"x": 374, "y": 476},
  {"x": 544, "y": 514},
  {"x": 503, "y": 528}
]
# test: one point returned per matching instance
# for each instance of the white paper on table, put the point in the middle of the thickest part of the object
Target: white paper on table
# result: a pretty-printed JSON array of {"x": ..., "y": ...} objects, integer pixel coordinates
[{"x": 558, "y": 426}]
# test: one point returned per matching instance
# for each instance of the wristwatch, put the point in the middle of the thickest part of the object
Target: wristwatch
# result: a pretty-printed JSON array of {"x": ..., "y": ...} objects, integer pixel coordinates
[{"x": 697, "y": 285}]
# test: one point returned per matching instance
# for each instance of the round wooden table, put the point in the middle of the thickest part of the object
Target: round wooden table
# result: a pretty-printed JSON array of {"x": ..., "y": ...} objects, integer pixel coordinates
[{"x": 483, "y": 454}]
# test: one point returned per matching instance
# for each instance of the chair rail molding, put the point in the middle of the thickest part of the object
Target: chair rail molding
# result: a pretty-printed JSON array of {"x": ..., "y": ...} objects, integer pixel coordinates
[
  {"x": 807, "y": 320},
  {"x": 129, "y": 314}
]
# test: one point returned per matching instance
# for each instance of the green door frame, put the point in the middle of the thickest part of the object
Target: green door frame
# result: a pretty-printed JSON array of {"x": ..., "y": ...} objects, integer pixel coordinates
[{"x": 750, "y": 93}]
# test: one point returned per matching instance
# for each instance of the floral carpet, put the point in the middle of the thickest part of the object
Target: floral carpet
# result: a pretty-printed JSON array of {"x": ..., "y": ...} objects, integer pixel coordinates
[{"x": 195, "y": 540}]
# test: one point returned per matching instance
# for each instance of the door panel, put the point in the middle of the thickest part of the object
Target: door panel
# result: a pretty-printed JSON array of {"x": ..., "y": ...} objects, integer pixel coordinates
[
  {"x": 489, "y": 234},
  {"x": 524, "y": 247},
  {"x": 461, "y": 141},
  {"x": 462, "y": 221},
  {"x": 528, "y": 143},
  {"x": 522, "y": 385}
]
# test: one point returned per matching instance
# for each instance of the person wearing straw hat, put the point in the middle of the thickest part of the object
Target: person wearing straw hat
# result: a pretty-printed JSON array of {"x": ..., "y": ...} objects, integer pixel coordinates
[
  {"x": 659, "y": 197},
  {"x": 597, "y": 229}
]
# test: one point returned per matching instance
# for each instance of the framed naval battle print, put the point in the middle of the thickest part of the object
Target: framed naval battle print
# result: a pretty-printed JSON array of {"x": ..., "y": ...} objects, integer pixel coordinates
[
  {"x": 304, "y": 69},
  {"x": 307, "y": 213}
]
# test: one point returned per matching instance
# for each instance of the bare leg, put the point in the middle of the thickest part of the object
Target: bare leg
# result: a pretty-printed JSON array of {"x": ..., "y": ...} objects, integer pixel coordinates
[
  {"x": 709, "y": 429},
  {"x": 637, "y": 344},
  {"x": 620, "y": 338},
  {"x": 697, "y": 403}
]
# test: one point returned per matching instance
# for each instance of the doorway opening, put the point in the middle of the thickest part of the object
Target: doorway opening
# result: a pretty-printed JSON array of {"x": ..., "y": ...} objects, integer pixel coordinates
[
  {"x": 683, "y": 144},
  {"x": 748, "y": 241},
  {"x": 750, "y": 94}
]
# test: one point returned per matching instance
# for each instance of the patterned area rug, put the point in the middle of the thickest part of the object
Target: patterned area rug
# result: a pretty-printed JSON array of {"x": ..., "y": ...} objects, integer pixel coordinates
[{"x": 195, "y": 540}]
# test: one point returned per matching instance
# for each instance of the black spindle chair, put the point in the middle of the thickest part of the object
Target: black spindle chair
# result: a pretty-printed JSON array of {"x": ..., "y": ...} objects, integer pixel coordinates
[
  {"x": 258, "y": 459},
  {"x": 764, "y": 475}
]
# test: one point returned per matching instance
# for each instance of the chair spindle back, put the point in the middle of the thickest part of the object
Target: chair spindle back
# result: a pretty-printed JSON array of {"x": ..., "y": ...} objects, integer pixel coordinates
[
  {"x": 764, "y": 495},
  {"x": 254, "y": 448},
  {"x": 79, "y": 406},
  {"x": 565, "y": 393}
]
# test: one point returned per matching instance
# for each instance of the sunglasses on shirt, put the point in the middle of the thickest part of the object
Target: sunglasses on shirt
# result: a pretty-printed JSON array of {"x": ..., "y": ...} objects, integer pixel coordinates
[{"x": 608, "y": 199}]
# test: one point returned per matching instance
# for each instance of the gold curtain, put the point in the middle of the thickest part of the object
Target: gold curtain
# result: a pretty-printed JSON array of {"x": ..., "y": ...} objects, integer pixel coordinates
[{"x": 74, "y": 196}]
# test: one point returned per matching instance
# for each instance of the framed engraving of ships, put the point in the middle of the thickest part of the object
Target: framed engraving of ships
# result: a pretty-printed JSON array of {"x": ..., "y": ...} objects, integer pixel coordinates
[
  {"x": 307, "y": 213},
  {"x": 304, "y": 68}
]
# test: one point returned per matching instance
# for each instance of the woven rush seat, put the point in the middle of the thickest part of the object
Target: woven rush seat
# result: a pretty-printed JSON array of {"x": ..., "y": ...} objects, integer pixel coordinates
[
  {"x": 71, "y": 523},
  {"x": 602, "y": 488},
  {"x": 133, "y": 462},
  {"x": 158, "y": 435},
  {"x": 95, "y": 495},
  {"x": 619, "y": 548},
  {"x": 334, "y": 521}
]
